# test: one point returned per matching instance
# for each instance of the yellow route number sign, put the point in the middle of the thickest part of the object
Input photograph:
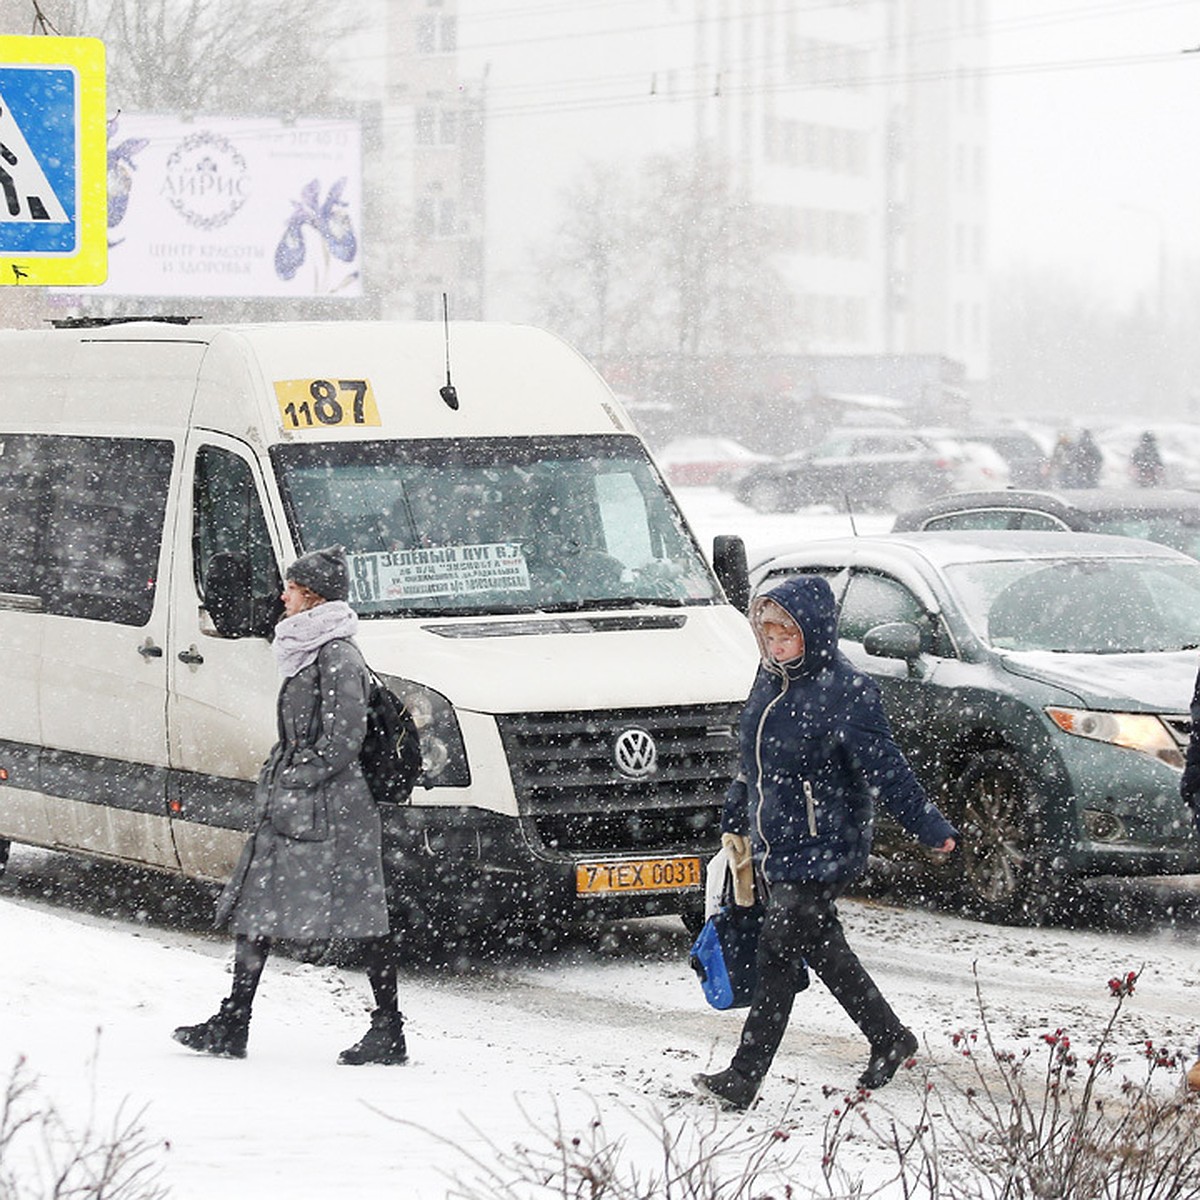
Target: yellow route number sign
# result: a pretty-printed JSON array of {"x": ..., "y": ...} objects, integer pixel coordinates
[
  {"x": 325, "y": 403},
  {"x": 53, "y": 161}
]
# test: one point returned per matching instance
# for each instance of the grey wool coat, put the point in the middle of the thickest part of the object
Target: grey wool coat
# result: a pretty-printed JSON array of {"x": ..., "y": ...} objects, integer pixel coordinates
[{"x": 313, "y": 868}]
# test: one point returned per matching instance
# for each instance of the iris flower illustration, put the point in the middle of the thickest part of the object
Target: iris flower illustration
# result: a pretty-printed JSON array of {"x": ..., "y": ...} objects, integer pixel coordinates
[
  {"x": 329, "y": 218},
  {"x": 120, "y": 175}
]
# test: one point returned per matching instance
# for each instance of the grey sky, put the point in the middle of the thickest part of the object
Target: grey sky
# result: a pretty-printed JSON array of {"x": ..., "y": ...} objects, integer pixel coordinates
[{"x": 1095, "y": 167}]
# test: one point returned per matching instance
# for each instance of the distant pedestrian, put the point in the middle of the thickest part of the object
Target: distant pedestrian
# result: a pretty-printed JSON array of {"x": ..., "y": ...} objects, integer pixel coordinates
[
  {"x": 815, "y": 751},
  {"x": 1076, "y": 461},
  {"x": 313, "y": 868},
  {"x": 1088, "y": 459},
  {"x": 1062, "y": 470},
  {"x": 1145, "y": 461}
]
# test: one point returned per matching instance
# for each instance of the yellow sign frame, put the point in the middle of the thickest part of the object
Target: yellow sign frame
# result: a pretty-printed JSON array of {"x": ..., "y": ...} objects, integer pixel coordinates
[{"x": 88, "y": 262}]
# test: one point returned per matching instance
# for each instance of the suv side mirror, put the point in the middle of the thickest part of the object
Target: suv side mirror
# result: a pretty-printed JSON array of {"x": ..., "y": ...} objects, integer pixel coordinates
[
  {"x": 896, "y": 639},
  {"x": 733, "y": 574}
]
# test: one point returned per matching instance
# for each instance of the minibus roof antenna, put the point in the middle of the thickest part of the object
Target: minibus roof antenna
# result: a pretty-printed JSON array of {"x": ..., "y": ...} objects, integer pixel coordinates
[{"x": 447, "y": 393}]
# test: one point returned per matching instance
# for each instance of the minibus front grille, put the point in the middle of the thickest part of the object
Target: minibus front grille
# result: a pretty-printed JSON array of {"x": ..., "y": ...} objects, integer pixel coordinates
[{"x": 576, "y": 799}]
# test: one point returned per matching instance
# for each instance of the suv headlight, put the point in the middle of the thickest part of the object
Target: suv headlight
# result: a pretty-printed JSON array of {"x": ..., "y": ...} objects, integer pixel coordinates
[
  {"x": 1135, "y": 731},
  {"x": 443, "y": 755}
]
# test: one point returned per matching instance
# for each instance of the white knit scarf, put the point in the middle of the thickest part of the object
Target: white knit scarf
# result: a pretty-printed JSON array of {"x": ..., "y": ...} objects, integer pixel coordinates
[{"x": 299, "y": 639}]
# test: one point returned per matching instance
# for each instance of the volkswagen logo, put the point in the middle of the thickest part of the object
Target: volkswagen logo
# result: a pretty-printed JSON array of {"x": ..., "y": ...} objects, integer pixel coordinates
[{"x": 635, "y": 753}]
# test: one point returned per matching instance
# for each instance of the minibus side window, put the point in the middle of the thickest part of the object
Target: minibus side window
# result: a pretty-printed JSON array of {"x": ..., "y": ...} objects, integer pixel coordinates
[
  {"x": 228, "y": 520},
  {"x": 24, "y": 493},
  {"x": 104, "y": 503}
]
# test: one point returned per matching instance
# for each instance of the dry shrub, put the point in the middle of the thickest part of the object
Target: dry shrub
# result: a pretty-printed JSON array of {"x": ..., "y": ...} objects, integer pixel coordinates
[
  {"x": 1036, "y": 1123},
  {"x": 43, "y": 1158}
]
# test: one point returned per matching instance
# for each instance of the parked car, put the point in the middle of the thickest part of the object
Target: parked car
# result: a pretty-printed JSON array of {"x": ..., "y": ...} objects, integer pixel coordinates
[
  {"x": 1025, "y": 457},
  {"x": 706, "y": 461},
  {"x": 1039, "y": 684},
  {"x": 861, "y": 468},
  {"x": 971, "y": 464},
  {"x": 1169, "y": 517}
]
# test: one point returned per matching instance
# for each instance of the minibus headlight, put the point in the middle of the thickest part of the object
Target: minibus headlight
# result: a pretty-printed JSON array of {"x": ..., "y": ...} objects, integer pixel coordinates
[
  {"x": 1134, "y": 731},
  {"x": 443, "y": 755}
]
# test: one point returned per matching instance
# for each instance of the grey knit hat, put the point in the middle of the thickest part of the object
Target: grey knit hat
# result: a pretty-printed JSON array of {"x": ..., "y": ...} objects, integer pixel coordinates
[{"x": 324, "y": 572}]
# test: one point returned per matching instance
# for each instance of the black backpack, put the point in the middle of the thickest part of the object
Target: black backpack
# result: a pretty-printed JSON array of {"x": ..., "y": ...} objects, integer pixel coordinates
[
  {"x": 390, "y": 756},
  {"x": 391, "y": 753}
]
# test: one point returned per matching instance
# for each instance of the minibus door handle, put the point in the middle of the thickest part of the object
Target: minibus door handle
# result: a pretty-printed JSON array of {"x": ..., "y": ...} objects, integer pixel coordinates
[
  {"x": 191, "y": 656},
  {"x": 149, "y": 650}
]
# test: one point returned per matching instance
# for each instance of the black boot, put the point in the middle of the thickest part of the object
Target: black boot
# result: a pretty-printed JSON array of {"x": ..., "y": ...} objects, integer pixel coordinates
[
  {"x": 382, "y": 1043},
  {"x": 730, "y": 1087},
  {"x": 224, "y": 1035},
  {"x": 886, "y": 1060}
]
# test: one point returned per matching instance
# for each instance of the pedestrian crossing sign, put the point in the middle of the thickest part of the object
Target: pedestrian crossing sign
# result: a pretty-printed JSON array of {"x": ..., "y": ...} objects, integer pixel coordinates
[{"x": 53, "y": 161}]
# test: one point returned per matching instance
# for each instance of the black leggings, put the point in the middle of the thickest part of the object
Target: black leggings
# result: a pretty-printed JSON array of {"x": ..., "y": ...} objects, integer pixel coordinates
[
  {"x": 802, "y": 924},
  {"x": 250, "y": 956}
]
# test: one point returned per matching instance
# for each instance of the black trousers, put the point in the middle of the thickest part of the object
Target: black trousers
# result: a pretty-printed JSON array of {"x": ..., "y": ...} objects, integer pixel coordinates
[
  {"x": 802, "y": 925},
  {"x": 250, "y": 956}
]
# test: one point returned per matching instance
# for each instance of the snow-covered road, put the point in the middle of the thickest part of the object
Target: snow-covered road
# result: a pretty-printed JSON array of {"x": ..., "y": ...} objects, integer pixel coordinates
[{"x": 609, "y": 1024}]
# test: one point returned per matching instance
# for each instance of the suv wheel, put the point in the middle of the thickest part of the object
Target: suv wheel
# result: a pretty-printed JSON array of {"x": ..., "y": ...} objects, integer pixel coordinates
[{"x": 1006, "y": 872}]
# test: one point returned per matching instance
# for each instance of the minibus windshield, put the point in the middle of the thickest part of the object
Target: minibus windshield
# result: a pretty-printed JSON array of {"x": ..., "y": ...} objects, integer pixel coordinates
[{"x": 494, "y": 525}]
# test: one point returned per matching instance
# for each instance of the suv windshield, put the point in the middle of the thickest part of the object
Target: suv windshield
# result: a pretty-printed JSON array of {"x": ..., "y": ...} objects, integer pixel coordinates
[
  {"x": 1082, "y": 606},
  {"x": 1179, "y": 530},
  {"x": 494, "y": 525}
]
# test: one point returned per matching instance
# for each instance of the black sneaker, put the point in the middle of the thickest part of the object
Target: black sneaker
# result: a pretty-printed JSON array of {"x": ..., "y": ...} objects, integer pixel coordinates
[
  {"x": 886, "y": 1060},
  {"x": 383, "y": 1043},
  {"x": 224, "y": 1035},
  {"x": 730, "y": 1088}
]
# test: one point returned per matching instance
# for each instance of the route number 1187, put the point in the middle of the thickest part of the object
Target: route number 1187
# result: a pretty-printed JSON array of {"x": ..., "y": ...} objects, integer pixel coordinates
[{"x": 325, "y": 403}]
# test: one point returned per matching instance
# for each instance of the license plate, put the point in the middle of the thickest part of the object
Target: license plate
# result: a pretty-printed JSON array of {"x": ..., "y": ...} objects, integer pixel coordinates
[{"x": 636, "y": 875}]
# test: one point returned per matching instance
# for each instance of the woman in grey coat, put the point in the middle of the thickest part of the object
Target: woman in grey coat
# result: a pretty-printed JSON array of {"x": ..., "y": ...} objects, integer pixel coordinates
[{"x": 313, "y": 868}]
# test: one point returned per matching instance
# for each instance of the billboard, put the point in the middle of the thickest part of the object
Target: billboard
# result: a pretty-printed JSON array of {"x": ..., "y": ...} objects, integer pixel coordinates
[{"x": 233, "y": 206}]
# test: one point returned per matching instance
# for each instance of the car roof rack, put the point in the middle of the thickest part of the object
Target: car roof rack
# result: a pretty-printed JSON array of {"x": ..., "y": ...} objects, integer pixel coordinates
[{"x": 100, "y": 322}]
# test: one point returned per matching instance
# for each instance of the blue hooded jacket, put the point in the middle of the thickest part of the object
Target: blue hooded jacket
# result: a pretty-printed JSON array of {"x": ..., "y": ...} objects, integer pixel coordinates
[{"x": 815, "y": 752}]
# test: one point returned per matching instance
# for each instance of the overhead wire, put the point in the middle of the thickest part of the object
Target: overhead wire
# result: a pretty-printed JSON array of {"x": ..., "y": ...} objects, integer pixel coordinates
[
  {"x": 697, "y": 83},
  {"x": 645, "y": 78}
]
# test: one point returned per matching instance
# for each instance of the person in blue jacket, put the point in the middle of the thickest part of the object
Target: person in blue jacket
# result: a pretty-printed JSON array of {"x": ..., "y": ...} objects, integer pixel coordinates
[{"x": 816, "y": 751}]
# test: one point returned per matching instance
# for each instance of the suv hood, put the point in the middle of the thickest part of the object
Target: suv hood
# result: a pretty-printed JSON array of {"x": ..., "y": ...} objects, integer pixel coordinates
[{"x": 1161, "y": 683}]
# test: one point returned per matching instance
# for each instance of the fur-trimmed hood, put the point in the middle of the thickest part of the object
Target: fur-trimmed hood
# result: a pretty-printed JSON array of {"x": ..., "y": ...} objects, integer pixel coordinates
[{"x": 809, "y": 601}]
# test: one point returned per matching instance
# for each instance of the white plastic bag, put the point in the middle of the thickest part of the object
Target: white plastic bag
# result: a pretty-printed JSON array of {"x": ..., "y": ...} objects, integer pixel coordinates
[{"x": 714, "y": 881}]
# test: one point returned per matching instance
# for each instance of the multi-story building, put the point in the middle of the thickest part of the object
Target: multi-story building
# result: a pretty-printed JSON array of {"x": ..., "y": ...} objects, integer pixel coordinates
[
  {"x": 859, "y": 125},
  {"x": 431, "y": 166}
]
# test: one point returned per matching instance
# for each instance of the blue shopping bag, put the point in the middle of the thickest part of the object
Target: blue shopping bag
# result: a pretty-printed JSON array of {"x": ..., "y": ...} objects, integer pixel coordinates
[{"x": 723, "y": 955}]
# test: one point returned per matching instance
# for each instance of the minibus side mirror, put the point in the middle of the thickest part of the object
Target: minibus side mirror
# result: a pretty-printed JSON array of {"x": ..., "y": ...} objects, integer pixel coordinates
[
  {"x": 227, "y": 593},
  {"x": 733, "y": 574}
]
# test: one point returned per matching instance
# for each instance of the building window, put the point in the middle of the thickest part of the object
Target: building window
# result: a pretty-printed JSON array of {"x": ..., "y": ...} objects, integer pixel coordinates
[
  {"x": 436, "y": 216},
  {"x": 828, "y": 64},
  {"x": 802, "y": 144},
  {"x": 437, "y": 33},
  {"x": 424, "y": 126}
]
